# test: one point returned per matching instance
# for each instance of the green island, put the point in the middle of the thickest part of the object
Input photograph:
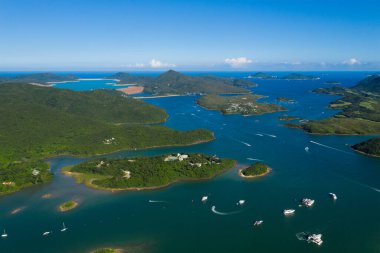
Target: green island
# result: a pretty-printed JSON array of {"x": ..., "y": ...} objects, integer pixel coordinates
[
  {"x": 370, "y": 147},
  {"x": 38, "y": 78},
  {"x": 288, "y": 118},
  {"x": 255, "y": 170},
  {"x": 360, "y": 110},
  {"x": 333, "y": 82},
  {"x": 240, "y": 104},
  {"x": 291, "y": 76},
  {"x": 43, "y": 122},
  {"x": 107, "y": 250},
  {"x": 173, "y": 82},
  {"x": 144, "y": 173},
  {"x": 67, "y": 206}
]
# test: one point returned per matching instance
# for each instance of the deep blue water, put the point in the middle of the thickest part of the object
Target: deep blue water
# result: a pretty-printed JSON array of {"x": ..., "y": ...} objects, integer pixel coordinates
[{"x": 184, "y": 224}]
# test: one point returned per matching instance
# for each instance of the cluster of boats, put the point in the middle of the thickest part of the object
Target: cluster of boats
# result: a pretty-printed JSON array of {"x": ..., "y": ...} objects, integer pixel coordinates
[{"x": 63, "y": 229}]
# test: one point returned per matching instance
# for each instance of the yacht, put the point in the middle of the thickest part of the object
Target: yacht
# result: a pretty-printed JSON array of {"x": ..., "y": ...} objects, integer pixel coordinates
[
  {"x": 4, "y": 234},
  {"x": 333, "y": 195},
  {"x": 258, "y": 223},
  {"x": 204, "y": 198},
  {"x": 288, "y": 211},
  {"x": 308, "y": 202},
  {"x": 64, "y": 228},
  {"x": 46, "y": 233},
  {"x": 307, "y": 149},
  {"x": 315, "y": 238},
  {"x": 241, "y": 202}
]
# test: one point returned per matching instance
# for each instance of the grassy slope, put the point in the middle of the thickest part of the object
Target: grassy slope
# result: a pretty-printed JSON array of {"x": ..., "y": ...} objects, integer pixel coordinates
[
  {"x": 43, "y": 122},
  {"x": 242, "y": 104},
  {"x": 146, "y": 172}
]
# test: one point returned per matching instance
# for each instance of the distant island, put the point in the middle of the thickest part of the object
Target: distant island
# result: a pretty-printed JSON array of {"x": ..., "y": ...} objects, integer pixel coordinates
[
  {"x": 288, "y": 118},
  {"x": 45, "y": 122},
  {"x": 255, "y": 170},
  {"x": 173, "y": 82},
  {"x": 292, "y": 76},
  {"x": 38, "y": 78},
  {"x": 68, "y": 205},
  {"x": 370, "y": 147},
  {"x": 242, "y": 104},
  {"x": 332, "y": 82},
  {"x": 146, "y": 173},
  {"x": 360, "y": 113},
  {"x": 286, "y": 100}
]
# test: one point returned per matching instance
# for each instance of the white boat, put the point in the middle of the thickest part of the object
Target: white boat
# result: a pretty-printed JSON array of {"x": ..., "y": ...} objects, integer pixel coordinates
[
  {"x": 46, "y": 233},
  {"x": 308, "y": 202},
  {"x": 258, "y": 223},
  {"x": 288, "y": 211},
  {"x": 204, "y": 198},
  {"x": 333, "y": 195},
  {"x": 64, "y": 228},
  {"x": 4, "y": 234},
  {"x": 315, "y": 238},
  {"x": 307, "y": 149},
  {"x": 241, "y": 202}
]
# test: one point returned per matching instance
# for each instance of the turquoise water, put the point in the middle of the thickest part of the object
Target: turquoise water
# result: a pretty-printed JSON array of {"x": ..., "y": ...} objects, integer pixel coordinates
[{"x": 183, "y": 224}]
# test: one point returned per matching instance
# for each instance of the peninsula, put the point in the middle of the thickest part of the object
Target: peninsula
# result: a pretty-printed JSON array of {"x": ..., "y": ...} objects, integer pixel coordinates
[
  {"x": 241, "y": 104},
  {"x": 370, "y": 147},
  {"x": 146, "y": 173},
  {"x": 39, "y": 78},
  {"x": 360, "y": 110},
  {"x": 44, "y": 122},
  {"x": 255, "y": 170}
]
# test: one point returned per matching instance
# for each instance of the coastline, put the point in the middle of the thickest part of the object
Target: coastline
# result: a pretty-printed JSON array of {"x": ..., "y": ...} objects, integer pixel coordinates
[
  {"x": 65, "y": 171},
  {"x": 254, "y": 176},
  {"x": 364, "y": 153}
]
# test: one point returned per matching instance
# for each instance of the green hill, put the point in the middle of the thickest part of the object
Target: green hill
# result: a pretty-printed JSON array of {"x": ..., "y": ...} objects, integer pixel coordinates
[
  {"x": 172, "y": 82},
  {"x": 360, "y": 107},
  {"x": 39, "y": 122},
  {"x": 370, "y": 147},
  {"x": 40, "y": 78}
]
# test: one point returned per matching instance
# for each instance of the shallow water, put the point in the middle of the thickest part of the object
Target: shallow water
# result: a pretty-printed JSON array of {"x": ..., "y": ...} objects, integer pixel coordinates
[{"x": 180, "y": 222}]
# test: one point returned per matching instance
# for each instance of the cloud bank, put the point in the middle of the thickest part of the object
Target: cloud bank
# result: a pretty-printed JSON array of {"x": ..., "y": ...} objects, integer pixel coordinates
[{"x": 237, "y": 62}]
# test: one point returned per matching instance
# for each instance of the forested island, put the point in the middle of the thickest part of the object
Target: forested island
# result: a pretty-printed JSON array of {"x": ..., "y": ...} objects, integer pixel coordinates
[
  {"x": 44, "y": 122},
  {"x": 143, "y": 173},
  {"x": 370, "y": 147},
  {"x": 173, "y": 82},
  {"x": 38, "y": 78},
  {"x": 285, "y": 100},
  {"x": 241, "y": 104},
  {"x": 288, "y": 118},
  {"x": 67, "y": 206},
  {"x": 255, "y": 170},
  {"x": 291, "y": 76},
  {"x": 360, "y": 113}
]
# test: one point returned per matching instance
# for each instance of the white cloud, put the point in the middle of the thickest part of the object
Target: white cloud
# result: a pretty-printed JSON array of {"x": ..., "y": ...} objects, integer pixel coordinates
[
  {"x": 237, "y": 62},
  {"x": 158, "y": 64},
  {"x": 352, "y": 61},
  {"x": 135, "y": 65}
]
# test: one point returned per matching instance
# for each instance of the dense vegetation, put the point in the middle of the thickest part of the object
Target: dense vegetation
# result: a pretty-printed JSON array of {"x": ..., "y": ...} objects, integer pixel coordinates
[
  {"x": 143, "y": 172},
  {"x": 292, "y": 76},
  {"x": 172, "y": 82},
  {"x": 360, "y": 113},
  {"x": 242, "y": 104},
  {"x": 256, "y": 169},
  {"x": 370, "y": 147},
  {"x": 68, "y": 205},
  {"x": 40, "y": 78},
  {"x": 285, "y": 100},
  {"x": 288, "y": 118},
  {"x": 39, "y": 122}
]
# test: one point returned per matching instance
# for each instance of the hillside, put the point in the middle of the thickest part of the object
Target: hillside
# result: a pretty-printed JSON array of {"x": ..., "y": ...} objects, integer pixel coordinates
[
  {"x": 39, "y": 78},
  {"x": 172, "y": 82},
  {"x": 360, "y": 113},
  {"x": 40, "y": 122},
  {"x": 370, "y": 147}
]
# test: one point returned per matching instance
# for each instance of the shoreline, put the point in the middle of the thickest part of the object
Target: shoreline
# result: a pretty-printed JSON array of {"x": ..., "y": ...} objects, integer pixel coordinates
[
  {"x": 254, "y": 176},
  {"x": 364, "y": 153},
  {"x": 329, "y": 134},
  {"x": 64, "y": 170}
]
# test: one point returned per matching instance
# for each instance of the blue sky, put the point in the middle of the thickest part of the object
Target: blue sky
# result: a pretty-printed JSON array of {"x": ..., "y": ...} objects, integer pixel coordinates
[{"x": 189, "y": 35}]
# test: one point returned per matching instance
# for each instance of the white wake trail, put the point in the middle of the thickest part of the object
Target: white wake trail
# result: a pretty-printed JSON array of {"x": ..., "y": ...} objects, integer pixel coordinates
[
  {"x": 213, "y": 209},
  {"x": 325, "y": 146},
  {"x": 253, "y": 159}
]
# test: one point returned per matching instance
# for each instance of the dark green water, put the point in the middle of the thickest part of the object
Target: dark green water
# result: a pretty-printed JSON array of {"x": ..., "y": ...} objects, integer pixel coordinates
[{"x": 183, "y": 224}]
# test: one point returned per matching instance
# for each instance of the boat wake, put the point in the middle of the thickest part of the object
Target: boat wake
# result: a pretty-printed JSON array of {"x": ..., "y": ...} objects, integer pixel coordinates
[
  {"x": 302, "y": 236},
  {"x": 325, "y": 146},
  {"x": 246, "y": 143},
  {"x": 261, "y": 135},
  {"x": 253, "y": 159},
  {"x": 157, "y": 201},
  {"x": 213, "y": 209}
]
